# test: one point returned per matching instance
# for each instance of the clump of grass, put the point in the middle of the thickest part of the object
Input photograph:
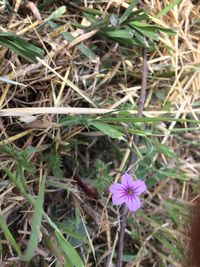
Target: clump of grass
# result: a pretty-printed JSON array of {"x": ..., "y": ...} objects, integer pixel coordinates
[{"x": 67, "y": 126}]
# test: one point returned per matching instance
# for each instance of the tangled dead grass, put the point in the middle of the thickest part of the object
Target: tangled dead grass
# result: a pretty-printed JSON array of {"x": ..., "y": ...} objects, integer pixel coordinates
[{"x": 67, "y": 82}]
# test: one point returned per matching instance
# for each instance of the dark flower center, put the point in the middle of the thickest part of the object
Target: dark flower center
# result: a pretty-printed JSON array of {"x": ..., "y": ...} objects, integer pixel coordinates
[{"x": 129, "y": 191}]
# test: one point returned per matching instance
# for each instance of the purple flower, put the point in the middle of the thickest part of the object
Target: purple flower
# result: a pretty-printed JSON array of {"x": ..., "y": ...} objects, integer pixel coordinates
[{"x": 127, "y": 192}]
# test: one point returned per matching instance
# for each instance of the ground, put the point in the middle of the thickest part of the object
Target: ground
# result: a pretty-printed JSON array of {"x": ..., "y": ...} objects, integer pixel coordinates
[{"x": 72, "y": 79}]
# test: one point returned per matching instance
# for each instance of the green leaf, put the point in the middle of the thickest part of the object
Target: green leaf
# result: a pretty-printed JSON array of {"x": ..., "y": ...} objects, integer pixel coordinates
[
  {"x": 83, "y": 48},
  {"x": 95, "y": 25},
  {"x": 143, "y": 119},
  {"x": 165, "y": 150},
  {"x": 120, "y": 34},
  {"x": 171, "y": 246},
  {"x": 91, "y": 18},
  {"x": 69, "y": 251},
  {"x": 145, "y": 29},
  {"x": 101, "y": 176},
  {"x": 140, "y": 132},
  {"x": 9, "y": 235},
  {"x": 139, "y": 15},
  {"x": 108, "y": 129},
  {"x": 172, "y": 173},
  {"x": 187, "y": 129},
  {"x": 122, "y": 37},
  {"x": 20, "y": 157},
  {"x": 69, "y": 120},
  {"x": 166, "y": 30},
  {"x": 19, "y": 184},
  {"x": 86, "y": 9},
  {"x": 20, "y": 46},
  {"x": 57, "y": 13},
  {"x": 35, "y": 224},
  {"x": 168, "y": 8},
  {"x": 128, "y": 11},
  {"x": 150, "y": 30},
  {"x": 45, "y": 3},
  {"x": 54, "y": 163},
  {"x": 140, "y": 37}
]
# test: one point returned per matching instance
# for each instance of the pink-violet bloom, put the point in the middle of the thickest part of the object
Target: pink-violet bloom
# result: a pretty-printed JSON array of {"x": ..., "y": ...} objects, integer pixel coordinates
[{"x": 127, "y": 192}]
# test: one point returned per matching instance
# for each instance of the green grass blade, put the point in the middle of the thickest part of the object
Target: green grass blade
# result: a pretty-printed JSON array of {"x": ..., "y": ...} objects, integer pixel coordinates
[
  {"x": 69, "y": 251},
  {"x": 18, "y": 183},
  {"x": 187, "y": 129},
  {"x": 46, "y": 3},
  {"x": 96, "y": 25},
  {"x": 9, "y": 235},
  {"x": 119, "y": 34},
  {"x": 143, "y": 119},
  {"x": 83, "y": 48},
  {"x": 168, "y": 8},
  {"x": 35, "y": 225},
  {"x": 20, "y": 46},
  {"x": 67, "y": 120},
  {"x": 128, "y": 11},
  {"x": 68, "y": 248},
  {"x": 57, "y": 13},
  {"x": 108, "y": 130}
]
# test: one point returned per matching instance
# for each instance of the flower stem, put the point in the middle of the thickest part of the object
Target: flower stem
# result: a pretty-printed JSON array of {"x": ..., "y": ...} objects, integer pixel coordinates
[
  {"x": 120, "y": 246},
  {"x": 132, "y": 159}
]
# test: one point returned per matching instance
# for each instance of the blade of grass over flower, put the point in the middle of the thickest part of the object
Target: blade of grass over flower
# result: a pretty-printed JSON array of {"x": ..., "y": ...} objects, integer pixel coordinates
[
  {"x": 9, "y": 236},
  {"x": 35, "y": 224},
  {"x": 76, "y": 236},
  {"x": 166, "y": 9},
  {"x": 88, "y": 236},
  {"x": 128, "y": 11},
  {"x": 69, "y": 251}
]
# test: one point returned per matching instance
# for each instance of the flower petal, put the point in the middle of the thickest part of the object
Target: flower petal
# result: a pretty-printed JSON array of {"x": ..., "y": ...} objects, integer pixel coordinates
[
  {"x": 139, "y": 187},
  {"x": 116, "y": 188},
  {"x": 133, "y": 203},
  {"x": 118, "y": 199},
  {"x": 127, "y": 180}
]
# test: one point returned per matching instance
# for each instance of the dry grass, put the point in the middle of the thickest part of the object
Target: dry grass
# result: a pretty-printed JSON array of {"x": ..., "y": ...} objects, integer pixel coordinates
[{"x": 79, "y": 161}]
